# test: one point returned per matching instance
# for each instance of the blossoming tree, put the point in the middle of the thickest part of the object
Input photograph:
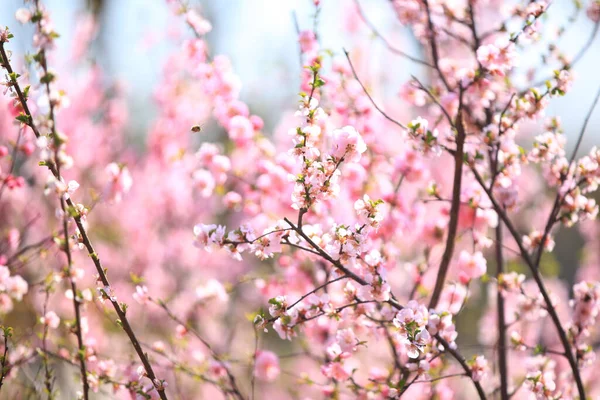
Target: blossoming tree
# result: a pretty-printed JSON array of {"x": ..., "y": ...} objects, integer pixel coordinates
[{"x": 333, "y": 258}]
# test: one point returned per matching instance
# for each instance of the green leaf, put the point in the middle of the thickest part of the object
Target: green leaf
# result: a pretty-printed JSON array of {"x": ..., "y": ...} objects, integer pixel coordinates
[
  {"x": 136, "y": 279},
  {"x": 539, "y": 349},
  {"x": 318, "y": 83},
  {"x": 48, "y": 78},
  {"x": 23, "y": 118}
]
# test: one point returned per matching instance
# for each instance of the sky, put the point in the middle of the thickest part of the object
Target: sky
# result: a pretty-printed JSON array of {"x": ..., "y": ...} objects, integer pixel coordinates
[{"x": 260, "y": 38}]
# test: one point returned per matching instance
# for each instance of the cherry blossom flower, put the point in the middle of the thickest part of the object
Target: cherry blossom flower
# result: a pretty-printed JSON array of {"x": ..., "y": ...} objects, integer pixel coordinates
[
  {"x": 348, "y": 144},
  {"x": 479, "y": 368},
  {"x": 266, "y": 366},
  {"x": 50, "y": 319},
  {"x": 120, "y": 182},
  {"x": 471, "y": 266}
]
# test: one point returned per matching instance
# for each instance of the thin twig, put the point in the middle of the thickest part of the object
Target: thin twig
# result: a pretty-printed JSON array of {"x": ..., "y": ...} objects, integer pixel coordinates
[
  {"x": 386, "y": 42},
  {"x": 6, "y": 332},
  {"x": 401, "y": 125},
  {"x": 232, "y": 381},
  {"x": 460, "y": 359},
  {"x": 583, "y": 128}
]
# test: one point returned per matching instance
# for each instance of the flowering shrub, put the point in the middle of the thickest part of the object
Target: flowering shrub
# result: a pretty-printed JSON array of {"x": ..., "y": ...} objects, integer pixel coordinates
[{"x": 355, "y": 257}]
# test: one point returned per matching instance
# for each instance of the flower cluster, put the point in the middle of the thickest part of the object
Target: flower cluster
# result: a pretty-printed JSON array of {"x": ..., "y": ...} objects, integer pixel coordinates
[
  {"x": 497, "y": 58},
  {"x": 319, "y": 177}
]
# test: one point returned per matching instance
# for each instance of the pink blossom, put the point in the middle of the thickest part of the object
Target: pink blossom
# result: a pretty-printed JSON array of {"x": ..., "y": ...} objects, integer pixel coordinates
[
  {"x": 50, "y": 319},
  {"x": 180, "y": 331},
  {"x": 23, "y": 15},
  {"x": 16, "y": 287},
  {"x": 308, "y": 41},
  {"x": 471, "y": 266},
  {"x": 204, "y": 182},
  {"x": 346, "y": 340},
  {"x": 369, "y": 210},
  {"x": 196, "y": 21},
  {"x": 593, "y": 11},
  {"x": 232, "y": 200},
  {"x": 6, "y": 303},
  {"x": 266, "y": 366},
  {"x": 420, "y": 368},
  {"x": 534, "y": 239},
  {"x": 141, "y": 295},
  {"x": 208, "y": 236},
  {"x": 120, "y": 182},
  {"x": 4, "y": 276},
  {"x": 498, "y": 58},
  {"x": 159, "y": 346},
  {"x": 348, "y": 143},
  {"x": 241, "y": 130},
  {"x": 479, "y": 368},
  {"x": 213, "y": 290},
  {"x": 285, "y": 332},
  {"x": 335, "y": 370}
]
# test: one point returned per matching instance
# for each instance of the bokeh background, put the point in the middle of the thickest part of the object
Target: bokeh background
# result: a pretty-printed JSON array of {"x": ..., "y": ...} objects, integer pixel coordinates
[{"x": 136, "y": 36}]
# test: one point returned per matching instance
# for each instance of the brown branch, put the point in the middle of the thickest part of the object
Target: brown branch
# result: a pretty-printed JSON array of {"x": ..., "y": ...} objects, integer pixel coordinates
[
  {"x": 454, "y": 211},
  {"x": 434, "y": 48},
  {"x": 325, "y": 255},
  {"x": 502, "y": 349}
]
